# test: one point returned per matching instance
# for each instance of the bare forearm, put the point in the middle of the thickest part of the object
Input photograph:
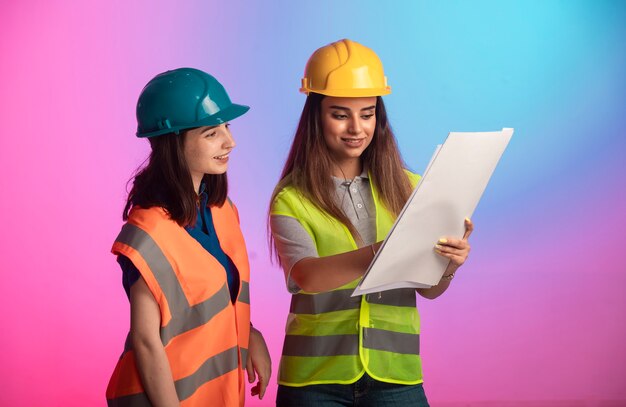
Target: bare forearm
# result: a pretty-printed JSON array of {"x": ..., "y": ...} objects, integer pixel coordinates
[
  {"x": 317, "y": 274},
  {"x": 156, "y": 375},
  {"x": 152, "y": 364},
  {"x": 434, "y": 291},
  {"x": 456, "y": 251}
]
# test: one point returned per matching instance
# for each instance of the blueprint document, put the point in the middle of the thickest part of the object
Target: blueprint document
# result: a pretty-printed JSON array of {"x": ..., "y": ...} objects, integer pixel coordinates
[{"x": 447, "y": 193}]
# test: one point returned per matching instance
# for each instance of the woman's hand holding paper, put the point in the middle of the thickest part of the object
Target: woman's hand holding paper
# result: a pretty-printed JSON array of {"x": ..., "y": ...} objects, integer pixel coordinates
[{"x": 456, "y": 250}]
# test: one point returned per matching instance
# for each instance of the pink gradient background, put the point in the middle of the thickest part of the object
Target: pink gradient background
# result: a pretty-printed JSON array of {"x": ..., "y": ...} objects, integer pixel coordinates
[{"x": 537, "y": 316}]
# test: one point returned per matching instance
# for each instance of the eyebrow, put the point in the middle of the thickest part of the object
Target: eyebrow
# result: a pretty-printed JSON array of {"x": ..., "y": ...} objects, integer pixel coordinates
[
  {"x": 207, "y": 128},
  {"x": 349, "y": 110}
]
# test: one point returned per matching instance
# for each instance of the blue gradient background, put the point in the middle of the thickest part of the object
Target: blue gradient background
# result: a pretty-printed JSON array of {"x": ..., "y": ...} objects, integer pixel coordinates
[{"x": 537, "y": 317}]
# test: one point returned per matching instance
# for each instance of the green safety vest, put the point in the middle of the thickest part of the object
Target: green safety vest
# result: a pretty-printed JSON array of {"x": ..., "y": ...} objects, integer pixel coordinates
[{"x": 332, "y": 337}]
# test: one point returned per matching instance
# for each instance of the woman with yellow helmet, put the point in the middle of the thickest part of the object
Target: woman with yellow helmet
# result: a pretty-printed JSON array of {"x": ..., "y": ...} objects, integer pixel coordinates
[
  {"x": 342, "y": 186},
  {"x": 183, "y": 257}
]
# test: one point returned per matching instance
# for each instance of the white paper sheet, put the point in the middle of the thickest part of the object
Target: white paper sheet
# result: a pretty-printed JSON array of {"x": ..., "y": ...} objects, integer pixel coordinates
[{"x": 448, "y": 192}]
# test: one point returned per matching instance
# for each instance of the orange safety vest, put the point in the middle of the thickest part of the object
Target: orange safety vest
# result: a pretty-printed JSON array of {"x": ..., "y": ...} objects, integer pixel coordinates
[{"x": 204, "y": 335}]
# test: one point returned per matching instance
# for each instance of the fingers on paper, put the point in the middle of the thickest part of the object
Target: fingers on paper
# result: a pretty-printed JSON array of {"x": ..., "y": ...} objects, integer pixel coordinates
[
  {"x": 448, "y": 244},
  {"x": 454, "y": 249},
  {"x": 458, "y": 257},
  {"x": 469, "y": 228}
]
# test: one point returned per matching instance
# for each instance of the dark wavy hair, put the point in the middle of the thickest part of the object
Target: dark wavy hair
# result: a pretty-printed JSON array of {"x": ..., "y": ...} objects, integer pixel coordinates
[{"x": 165, "y": 181}]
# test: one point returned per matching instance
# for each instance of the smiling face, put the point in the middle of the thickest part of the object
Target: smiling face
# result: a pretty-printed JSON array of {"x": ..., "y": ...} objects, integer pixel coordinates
[
  {"x": 206, "y": 151},
  {"x": 348, "y": 125}
]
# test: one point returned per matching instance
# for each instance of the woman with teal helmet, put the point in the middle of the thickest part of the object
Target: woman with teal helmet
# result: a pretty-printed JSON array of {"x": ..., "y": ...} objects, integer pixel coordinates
[{"x": 184, "y": 260}]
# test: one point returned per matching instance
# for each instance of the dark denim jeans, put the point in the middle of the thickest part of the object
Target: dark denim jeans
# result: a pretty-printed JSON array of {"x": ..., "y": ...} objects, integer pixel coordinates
[{"x": 366, "y": 392}]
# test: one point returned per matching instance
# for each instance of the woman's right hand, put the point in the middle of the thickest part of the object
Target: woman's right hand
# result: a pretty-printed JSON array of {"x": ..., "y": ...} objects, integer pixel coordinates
[{"x": 318, "y": 274}]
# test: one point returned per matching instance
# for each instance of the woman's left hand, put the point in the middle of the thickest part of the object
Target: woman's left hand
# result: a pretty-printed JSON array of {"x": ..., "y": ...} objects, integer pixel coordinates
[
  {"x": 258, "y": 363},
  {"x": 456, "y": 250}
]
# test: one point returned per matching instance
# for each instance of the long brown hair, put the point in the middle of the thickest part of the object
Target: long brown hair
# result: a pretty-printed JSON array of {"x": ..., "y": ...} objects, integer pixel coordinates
[
  {"x": 309, "y": 165},
  {"x": 166, "y": 182}
]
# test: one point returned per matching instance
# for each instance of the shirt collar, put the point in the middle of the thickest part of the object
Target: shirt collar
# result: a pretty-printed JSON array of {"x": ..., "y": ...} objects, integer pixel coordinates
[
  {"x": 202, "y": 189},
  {"x": 364, "y": 175},
  {"x": 202, "y": 207}
]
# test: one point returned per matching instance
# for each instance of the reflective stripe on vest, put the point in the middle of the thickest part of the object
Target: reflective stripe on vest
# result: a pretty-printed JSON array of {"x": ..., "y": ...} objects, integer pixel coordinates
[
  {"x": 184, "y": 317},
  {"x": 341, "y": 299},
  {"x": 333, "y": 337},
  {"x": 327, "y": 345},
  {"x": 214, "y": 367},
  {"x": 331, "y": 345},
  {"x": 189, "y": 315},
  {"x": 244, "y": 293}
]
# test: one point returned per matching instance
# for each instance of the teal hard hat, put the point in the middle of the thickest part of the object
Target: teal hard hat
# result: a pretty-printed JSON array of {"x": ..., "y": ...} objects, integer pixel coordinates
[{"x": 182, "y": 99}]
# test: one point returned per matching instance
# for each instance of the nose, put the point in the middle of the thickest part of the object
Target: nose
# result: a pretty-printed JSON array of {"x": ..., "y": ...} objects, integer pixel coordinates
[
  {"x": 229, "y": 141},
  {"x": 355, "y": 126}
]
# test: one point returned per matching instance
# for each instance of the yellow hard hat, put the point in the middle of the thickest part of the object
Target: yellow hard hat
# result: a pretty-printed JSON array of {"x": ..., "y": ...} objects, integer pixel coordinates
[{"x": 345, "y": 69}]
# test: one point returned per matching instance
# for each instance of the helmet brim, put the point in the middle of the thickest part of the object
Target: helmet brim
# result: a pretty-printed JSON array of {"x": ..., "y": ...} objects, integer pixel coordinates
[
  {"x": 224, "y": 115},
  {"x": 349, "y": 93}
]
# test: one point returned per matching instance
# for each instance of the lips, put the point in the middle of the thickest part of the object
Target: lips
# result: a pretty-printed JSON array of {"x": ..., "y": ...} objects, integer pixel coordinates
[
  {"x": 222, "y": 157},
  {"x": 353, "y": 142}
]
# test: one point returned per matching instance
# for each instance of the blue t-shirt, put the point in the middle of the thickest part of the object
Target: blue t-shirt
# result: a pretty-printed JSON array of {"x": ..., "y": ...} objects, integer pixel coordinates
[{"x": 204, "y": 232}]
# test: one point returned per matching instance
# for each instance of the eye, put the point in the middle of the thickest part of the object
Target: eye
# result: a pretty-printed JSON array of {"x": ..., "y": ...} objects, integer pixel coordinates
[
  {"x": 367, "y": 116},
  {"x": 340, "y": 116},
  {"x": 211, "y": 134}
]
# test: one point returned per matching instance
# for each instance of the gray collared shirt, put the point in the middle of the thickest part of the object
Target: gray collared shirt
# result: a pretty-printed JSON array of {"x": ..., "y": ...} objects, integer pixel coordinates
[{"x": 293, "y": 243}]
